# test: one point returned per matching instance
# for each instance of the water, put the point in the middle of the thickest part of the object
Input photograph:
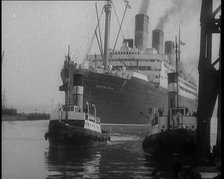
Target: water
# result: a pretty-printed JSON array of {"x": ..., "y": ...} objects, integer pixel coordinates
[{"x": 26, "y": 155}]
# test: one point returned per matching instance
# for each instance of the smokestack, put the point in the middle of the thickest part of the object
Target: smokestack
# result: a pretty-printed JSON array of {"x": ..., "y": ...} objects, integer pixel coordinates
[
  {"x": 169, "y": 51},
  {"x": 77, "y": 91},
  {"x": 141, "y": 31},
  {"x": 172, "y": 90},
  {"x": 157, "y": 40}
]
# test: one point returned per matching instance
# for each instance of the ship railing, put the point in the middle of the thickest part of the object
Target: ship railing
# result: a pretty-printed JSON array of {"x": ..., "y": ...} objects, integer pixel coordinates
[
  {"x": 72, "y": 115},
  {"x": 90, "y": 110},
  {"x": 126, "y": 74},
  {"x": 185, "y": 122},
  {"x": 160, "y": 123}
]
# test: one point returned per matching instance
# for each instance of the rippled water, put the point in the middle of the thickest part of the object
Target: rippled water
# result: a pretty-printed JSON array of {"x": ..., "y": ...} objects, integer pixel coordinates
[{"x": 26, "y": 155}]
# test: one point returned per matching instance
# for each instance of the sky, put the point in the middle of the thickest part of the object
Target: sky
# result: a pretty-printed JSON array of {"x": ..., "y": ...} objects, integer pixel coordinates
[{"x": 36, "y": 35}]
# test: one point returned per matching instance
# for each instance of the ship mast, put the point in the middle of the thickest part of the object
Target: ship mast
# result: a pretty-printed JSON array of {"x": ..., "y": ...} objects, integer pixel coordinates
[{"x": 107, "y": 9}]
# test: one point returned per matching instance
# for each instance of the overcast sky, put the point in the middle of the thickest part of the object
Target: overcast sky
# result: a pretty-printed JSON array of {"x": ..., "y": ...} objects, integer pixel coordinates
[{"x": 36, "y": 34}]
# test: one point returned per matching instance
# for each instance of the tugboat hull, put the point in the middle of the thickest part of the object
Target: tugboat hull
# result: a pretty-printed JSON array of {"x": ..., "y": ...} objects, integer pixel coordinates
[
  {"x": 181, "y": 141},
  {"x": 61, "y": 133}
]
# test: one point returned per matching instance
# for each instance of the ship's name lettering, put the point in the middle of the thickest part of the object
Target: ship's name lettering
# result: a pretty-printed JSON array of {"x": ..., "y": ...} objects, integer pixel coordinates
[{"x": 104, "y": 87}]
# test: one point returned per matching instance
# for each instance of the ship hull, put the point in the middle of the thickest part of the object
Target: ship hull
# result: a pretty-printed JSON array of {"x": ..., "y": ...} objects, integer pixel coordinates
[{"x": 122, "y": 101}]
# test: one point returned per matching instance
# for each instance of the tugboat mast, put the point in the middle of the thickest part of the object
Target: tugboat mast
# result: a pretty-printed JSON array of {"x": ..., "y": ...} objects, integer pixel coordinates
[
  {"x": 173, "y": 94},
  {"x": 67, "y": 82},
  {"x": 107, "y": 9},
  {"x": 177, "y": 62},
  {"x": 3, "y": 53},
  {"x": 4, "y": 99}
]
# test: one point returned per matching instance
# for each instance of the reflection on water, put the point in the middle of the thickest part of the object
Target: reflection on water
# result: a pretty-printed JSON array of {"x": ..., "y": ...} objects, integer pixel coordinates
[
  {"x": 122, "y": 157},
  {"x": 73, "y": 162},
  {"x": 25, "y": 155}
]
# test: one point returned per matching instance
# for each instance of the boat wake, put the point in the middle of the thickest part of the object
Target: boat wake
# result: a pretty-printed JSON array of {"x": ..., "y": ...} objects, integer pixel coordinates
[{"x": 121, "y": 138}]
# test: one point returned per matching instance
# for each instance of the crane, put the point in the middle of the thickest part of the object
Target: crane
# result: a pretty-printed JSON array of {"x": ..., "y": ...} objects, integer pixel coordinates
[{"x": 209, "y": 82}]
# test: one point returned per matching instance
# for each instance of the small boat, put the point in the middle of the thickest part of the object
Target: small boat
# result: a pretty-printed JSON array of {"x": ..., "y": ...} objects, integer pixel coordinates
[
  {"x": 75, "y": 124},
  {"x": 179, "y": 137},
  {"x": 80, "y": 128},
  {"x": 175, "y": 132}
]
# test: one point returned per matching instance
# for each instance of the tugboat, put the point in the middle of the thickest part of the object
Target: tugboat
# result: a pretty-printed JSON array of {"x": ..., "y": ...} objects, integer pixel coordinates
[
  {"x": 72, "y": 124},
  {"x": 175, "y": 133}
]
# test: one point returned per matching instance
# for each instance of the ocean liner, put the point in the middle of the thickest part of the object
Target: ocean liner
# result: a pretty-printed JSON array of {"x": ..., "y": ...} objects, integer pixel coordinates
[{"x": 126, "y": 85}]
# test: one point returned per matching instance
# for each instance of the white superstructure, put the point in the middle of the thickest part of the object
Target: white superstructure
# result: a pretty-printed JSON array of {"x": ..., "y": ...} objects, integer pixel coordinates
[{"x": 144, "y": 65}]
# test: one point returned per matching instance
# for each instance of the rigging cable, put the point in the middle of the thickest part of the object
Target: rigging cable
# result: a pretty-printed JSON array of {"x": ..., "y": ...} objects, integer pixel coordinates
[
  {"x": 91, "y": 41},
  {"x": 99, "y": 41},
  {"x": 80, "y": 25},
  {"x": 117, "y": 19},
  {"x": 127, "y": 6},
  {"x": 101, "y": 46}
]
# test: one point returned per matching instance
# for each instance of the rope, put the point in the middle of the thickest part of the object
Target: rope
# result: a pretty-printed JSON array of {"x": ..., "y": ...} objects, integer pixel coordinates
[
  {"x": 117, "y": 19},
  {"x": 78, "y": 37},
  {"x": 93, "y": 36},
  {"x": 120, "y": 24},
  {"x": 120, "y": 27}
]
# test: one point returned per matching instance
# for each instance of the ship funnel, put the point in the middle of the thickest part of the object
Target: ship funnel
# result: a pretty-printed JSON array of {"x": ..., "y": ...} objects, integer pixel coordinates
[
  {"x": 141, "y": 31},
  {"x": 169, "y": 51},
  {"x": 172, "y": 90},
  {"x": 77, "y": 91},
  {"x": 157, "y": 40}
]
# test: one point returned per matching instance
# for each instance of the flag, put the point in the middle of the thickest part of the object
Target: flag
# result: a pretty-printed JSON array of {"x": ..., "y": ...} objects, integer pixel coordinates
[{"x": 181, "y": 42}]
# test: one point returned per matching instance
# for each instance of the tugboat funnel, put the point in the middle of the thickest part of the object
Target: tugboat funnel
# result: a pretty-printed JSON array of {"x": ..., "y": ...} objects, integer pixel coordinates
[
  {"x": 172, "y": 90},
  {"x": 77, "y": 91}
]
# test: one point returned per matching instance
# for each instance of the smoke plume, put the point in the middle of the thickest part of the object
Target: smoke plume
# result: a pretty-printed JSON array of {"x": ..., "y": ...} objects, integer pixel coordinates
[
  {"x": 144, "y": 7},
  {"x": 185, "y": 9}
]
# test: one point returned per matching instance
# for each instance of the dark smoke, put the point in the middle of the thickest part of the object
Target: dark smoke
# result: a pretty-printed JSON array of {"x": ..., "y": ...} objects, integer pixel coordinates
[
  {"x": 144, "y": 7},
  {"x": 166, "y": 16},
  {"x": 184, "y": 8}
]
